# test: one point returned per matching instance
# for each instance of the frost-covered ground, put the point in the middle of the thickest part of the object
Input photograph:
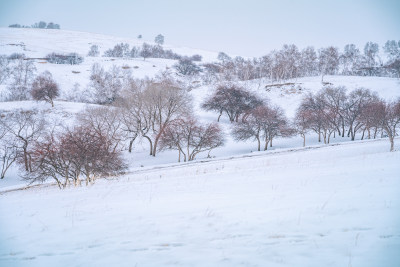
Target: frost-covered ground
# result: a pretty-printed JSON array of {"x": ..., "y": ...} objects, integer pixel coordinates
[
  {"x": 321, "y": 206},
  {"x": 37, "y": 43}
]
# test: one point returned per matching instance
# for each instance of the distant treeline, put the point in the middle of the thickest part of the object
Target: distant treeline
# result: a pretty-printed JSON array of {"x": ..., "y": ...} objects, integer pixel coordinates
[
  {"x": 40, "y": 25},
  {"x": 146, "y": 51}
]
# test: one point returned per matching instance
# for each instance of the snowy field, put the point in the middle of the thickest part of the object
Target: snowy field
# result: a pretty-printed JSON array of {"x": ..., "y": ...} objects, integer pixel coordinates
[{"x": 321, "y": 206}]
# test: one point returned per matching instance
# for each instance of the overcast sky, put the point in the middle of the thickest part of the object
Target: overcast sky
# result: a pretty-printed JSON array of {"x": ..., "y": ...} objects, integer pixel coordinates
[{"x": 247, "y": 27}]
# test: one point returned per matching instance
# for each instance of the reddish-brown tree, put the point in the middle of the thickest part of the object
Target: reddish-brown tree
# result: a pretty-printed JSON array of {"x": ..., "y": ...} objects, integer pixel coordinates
[{"x": 45, "y": 88}]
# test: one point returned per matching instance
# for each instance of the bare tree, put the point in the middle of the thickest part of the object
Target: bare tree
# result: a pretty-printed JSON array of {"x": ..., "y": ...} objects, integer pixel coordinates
[
  {"x": 262, "y": 124},
  {"x": 356, "y": 102},
  {"x": 351, "y": 59},
  {"x": 106, "y": 84},
  {"x": 8, "y": 150},
  {"x": 145, "y": 51},
  {"x": 314, "y": 109},
  {"x": 223, "y": 57},
  {"x": 94, "y": 51},
  {"x": 334, "y": 102},
  {"x": 163, "y": 101},
  {"x": 8, "y": 155},
  {"x": 328, "y": 61},
  {"x": 104, "y": 122},
  {"x": 369, "y": 119},
  {"x": 388, "y": 114},
  {"x": 233, "y": 100},
  {"x": 22, "y": 75},
  {"x": 309, "y": 62},
  {"x": 26, "y": 127},
  {"x": 76, "y": 152},
  {"x": 371, "y": 57},
  {"x": 45, "y": 88},
  {"x": 159, "y": 39},
  {"x": 95, "y": 153},
  {"x": 4, "y": 68},
  {"x": 131, "y": 109},
  {"x": 302, "y": 123},
  {"x": 190, "y": 137},
  {"x": 185, "y": 66}
]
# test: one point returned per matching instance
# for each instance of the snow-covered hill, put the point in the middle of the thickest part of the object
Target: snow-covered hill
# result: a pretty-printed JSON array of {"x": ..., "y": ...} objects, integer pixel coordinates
[
  {"x": 321, "y": 206},
  {"x": 37, "y": 43}
]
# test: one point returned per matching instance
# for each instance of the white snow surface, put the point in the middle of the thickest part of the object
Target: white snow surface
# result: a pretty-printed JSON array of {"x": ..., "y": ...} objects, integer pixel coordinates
[
  {"x": 40, "y": 42},
  {"x": 321, "y": 206}
]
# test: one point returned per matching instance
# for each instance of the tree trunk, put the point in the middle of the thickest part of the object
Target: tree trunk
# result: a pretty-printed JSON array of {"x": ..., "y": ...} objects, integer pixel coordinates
[
  {"x": 391, "y": 143},
  {"x": 362, "y": 137},
  {"x": 259, "y": 143},
  {"x": 26, "y": 160},
  {"x": 266, "y": 144},
  {"x": 304, "y": 140},
  {"x": 220, "y": 114},
  {"x": 151, "y": 144},
  {"x": 130, "y": 145},
  {"x": 342, "y": 128}
]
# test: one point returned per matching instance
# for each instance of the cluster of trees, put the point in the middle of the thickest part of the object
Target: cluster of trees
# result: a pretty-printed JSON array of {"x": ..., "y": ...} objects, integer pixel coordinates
[
  {"x": 66, "y": 155},
  {"x": 252, "y": 117},
  {"x": 332, "y": 111},
  {"x": 289, "y": 62},
  {"x": 19, "y": 74},
  {"x": 329, "y": 112},
  {"x": 40, "y": 25},
  {"x": 186, "y": 66},
  {"x": 71, "y": 58},
  {"x": 105, "y": 86},
  {"x": 23, "y": 83},
  {"x": 145, "y": 51},
  {"x": 153, "y": 110},
  {"x": 157, "y": 111}
]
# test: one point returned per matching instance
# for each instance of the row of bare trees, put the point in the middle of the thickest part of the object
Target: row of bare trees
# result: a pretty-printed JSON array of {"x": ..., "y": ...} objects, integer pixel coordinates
[
  {"x": 123, "y": 50},
  {"x": 290, "y": 62},
  {"x": 332, "y": 111}
]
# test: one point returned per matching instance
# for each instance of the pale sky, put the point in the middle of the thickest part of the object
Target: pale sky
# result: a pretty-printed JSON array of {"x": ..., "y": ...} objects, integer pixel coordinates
[{"x": 247, "y": 27}]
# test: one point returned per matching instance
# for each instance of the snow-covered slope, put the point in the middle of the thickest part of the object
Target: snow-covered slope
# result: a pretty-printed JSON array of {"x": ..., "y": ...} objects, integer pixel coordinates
[
  {"x": 40, "y": 42},
  {"x": 37, "y": 43},
  {"x": 327, "y": 206}
]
